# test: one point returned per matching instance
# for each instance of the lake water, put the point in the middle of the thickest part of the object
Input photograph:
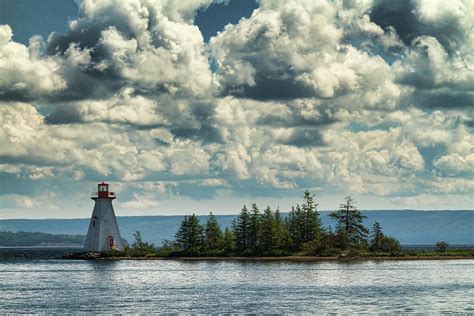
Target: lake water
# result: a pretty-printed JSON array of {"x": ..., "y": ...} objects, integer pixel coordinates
[{"x": 44, "y": 285}]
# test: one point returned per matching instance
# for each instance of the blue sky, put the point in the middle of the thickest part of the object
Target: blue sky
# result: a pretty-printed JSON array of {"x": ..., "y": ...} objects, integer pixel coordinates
[{"x": 205, "y": 105}]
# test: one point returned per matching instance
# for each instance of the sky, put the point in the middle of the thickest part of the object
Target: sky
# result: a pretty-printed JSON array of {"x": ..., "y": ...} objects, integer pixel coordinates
[{"x": 202, "y": 105}]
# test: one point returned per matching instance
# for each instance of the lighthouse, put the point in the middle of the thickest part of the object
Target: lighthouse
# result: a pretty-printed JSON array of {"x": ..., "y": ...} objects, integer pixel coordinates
[{"x": 103, "y": 234}]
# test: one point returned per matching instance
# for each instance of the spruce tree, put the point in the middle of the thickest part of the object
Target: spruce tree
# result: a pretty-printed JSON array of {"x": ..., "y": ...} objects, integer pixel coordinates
[
  {"x": 241, "y": 227},
  {"x": 214, "y": 239},
  {"x": 282, "y": 235},
  {"x": 255, "y": 229},
  {"x": 229, "y": 240},
  {"x": 267, "y": 236},
  {"x": 182, "y": 235},
  {"x": 376, "y": 237},
  {"x": 312, "y": 223},
  {"x": 140, "y": 247},
  {"x": 296, "y": 226},
  {"x": 349, "y": 224},
  {"x": 190, "y": 235},
  {"x": 304, "y": 223}
]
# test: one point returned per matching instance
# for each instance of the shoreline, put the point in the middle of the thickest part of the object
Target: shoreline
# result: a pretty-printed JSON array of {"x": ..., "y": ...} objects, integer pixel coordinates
[{"x": 287, "y": 259}]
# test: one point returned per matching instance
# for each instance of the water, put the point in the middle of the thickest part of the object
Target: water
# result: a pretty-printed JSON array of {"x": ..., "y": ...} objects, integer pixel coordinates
[{"x": 45, "y": 285}]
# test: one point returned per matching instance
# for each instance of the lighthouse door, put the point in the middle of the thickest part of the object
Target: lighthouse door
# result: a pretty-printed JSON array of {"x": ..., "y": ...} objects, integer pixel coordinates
[{"x": 111, "y": 243}]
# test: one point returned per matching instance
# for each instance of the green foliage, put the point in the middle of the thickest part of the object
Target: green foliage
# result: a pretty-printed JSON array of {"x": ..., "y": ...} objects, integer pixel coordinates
[
  {"x": 351, "y": 232},
  {"x": 376, "y": 237},
  {"x": 242, "y": 231},
  {"x": 255, "y": 230},
  {"x": 391, "y": 245},
  {"x": 441, "y": 246},
  {"x": 268, "y": 231},
  {"x": 229, "y": 240},
  {"x": 312, "y": 222},
  {"x": 303, "y": 222},
  {"x": 282, "y": 238},
  {"x": 214, "y": 239},
  {"x": 140, "y": 248},
  {"x": 167, "y": 248},
  {"x": 190, "y": 235}
]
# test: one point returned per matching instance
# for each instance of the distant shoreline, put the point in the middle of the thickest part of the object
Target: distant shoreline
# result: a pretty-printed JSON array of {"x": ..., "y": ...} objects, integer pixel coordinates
[{"x": 288, "y": 259}]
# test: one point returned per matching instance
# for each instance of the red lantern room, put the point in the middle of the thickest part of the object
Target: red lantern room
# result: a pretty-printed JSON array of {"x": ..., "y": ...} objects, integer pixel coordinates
[{"x": 103, "y": 192}]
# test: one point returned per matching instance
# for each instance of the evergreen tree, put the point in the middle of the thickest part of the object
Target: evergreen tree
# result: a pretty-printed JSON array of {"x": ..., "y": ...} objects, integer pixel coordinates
[
  {"x": 139, "y": 247},
  {"x": 229, "y": 240},
  {"x": 214, "y": 239},
  {"x": 441, "y": 246},
  {"x": 390, "y": 245},
  {"x": 255, "y": 229},
  {"x": 190, "y": 234},
  {"x": 296, "y": 226},
  {"x": 267, "y": 236},
  {"x": 312, "y": 223},
  {"x": 304, "y": 223},
  {"x": 282, "y": 236},
  {"x": 242, "y": 230},
  {"x": 349, "y": 224},
  {"x": 376, "y": 237}
]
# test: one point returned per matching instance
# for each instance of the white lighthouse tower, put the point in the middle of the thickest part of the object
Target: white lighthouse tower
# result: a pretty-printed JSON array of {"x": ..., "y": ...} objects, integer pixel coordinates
[{"x": 103, "y": 233}]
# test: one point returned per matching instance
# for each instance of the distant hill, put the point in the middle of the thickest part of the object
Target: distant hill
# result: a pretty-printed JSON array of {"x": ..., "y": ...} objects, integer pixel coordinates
[
  {"x": 28, "y": 239},
  {"x": 410, "y": 227}
]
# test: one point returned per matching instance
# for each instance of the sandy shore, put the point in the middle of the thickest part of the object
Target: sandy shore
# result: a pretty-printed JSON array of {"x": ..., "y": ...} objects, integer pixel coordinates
[{"x": 292, "y": 258}]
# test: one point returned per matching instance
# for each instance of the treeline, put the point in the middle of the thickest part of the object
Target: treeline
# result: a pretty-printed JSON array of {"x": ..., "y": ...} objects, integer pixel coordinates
[
  {"x": 266, "y": 232},
  {"x": 26, "y": 239}
]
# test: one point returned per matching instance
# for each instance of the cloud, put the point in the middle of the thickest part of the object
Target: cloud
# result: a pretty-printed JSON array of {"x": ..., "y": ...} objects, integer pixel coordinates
[
  {"x": 24, "y": 73},
  {"x": 139, "y": 202},
  {"x": 296, "y": 50},
  {"x": 448, "y": 22},
  {"x": 147, "y": 45},
  {"x": 151, "y": 46},
  {"x": 334, "y": 95}
]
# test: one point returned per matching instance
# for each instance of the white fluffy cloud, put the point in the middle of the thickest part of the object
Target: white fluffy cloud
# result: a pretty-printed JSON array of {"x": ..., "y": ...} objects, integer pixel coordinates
[
  {"x": 305, "y": 94},
  {"x": 299, "y": 49},
  {"x": 24, "y": 73}
]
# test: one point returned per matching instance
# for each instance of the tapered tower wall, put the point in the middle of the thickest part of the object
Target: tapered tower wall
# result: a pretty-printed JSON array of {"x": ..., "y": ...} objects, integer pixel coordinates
[{"x": 103, "y": 233}]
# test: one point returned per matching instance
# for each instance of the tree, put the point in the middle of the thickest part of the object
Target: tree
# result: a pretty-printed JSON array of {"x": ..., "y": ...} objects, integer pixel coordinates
[
  {"x": 376, "y": 237},
  {"x": 281, "y": 234},
  {"x": 255, "y": 229},
  {"x": 349, "y": 224},
  {"x": 304, "y": 223},
  {"x": 229, "y": 240},
  {"x": 296, "y": 226},
  {"x": 390, "y": 245},
  {"x": 241, "y": 227},
  {"x": 167, "y": 247},
  {"x": 190, "y": 234},
  {"x": 267, "y": 236},
  {"x": 441, "y": 246},
  {"x": 139, "y": 247},
  {"x": 312, "y": 223},
  {"x": 214, "y": 239}
]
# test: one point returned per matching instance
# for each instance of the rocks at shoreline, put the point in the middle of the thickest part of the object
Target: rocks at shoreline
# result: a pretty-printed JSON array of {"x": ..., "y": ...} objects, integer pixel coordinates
[{"x": 83, "y": 255}]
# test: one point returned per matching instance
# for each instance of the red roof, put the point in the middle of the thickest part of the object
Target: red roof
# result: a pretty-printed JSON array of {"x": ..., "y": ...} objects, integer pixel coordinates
[{"x": 103, "y": 183}]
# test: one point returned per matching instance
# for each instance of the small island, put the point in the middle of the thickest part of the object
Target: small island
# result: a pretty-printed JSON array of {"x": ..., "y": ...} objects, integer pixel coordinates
[{"x": 270, "y": 235}]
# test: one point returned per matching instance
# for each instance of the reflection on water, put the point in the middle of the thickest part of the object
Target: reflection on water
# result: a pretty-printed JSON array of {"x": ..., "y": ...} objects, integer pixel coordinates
[{"x": 58, "y": 286}]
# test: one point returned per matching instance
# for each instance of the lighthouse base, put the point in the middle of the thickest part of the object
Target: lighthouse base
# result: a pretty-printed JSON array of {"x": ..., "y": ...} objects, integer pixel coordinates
[{"x": 103, "y": 234}]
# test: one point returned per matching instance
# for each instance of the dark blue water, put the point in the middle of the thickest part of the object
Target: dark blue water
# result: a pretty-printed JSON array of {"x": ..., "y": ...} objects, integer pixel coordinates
[{"x": 69, "y": 286}]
